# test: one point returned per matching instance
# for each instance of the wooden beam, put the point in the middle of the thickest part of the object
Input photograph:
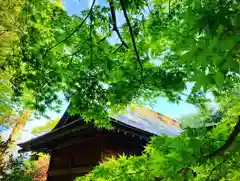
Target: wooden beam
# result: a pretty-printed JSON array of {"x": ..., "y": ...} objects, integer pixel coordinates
[
  {"x": 55, "y": 134},
  {"x": 77, "y": 140},
  {"x": 130, "y": 132},
  {"x": 49, "y": 167}
]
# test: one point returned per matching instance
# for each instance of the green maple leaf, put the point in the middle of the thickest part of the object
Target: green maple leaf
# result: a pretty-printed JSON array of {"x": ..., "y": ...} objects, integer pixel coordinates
[{"x": 219, "y": 79}]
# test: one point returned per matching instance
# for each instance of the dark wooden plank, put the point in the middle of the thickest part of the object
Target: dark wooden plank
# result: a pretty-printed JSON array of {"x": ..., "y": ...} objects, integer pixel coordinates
[
  {"x": 76, "y": 171},
  {"x": 87, "y": 153},
  {"x": 61, "y": 158}
]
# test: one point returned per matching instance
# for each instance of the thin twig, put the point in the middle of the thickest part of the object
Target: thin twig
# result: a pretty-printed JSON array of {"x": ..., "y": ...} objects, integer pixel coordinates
[
  {"x": 118, "y": 48},
  {"x": 218, "y": 165},
  {"x": 91, "y": 47},
  {"x": 115, "y": 28},
  {"x": 228, "y": 143},
  {"x": 169, "y": 7},
  {"x": 104, "y": 38},
  {"x": 4, "y": 31},
  {"x": 75, "y": 30},
  {"x": 77, "y": 51},
  {"x": 150, "y": 11},
  {"x": 133, "y": 40}
]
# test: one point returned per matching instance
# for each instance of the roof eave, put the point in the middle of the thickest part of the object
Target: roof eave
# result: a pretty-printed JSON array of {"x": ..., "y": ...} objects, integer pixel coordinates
[{"x": 76, "y": 126}]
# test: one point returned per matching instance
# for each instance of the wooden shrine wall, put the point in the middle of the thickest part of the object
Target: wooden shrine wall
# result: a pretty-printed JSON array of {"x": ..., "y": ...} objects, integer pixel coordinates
[
  {"x": 74, "y": 160},
  {"x": 116, "y": 144},
  {"x": 78, "y": 159}
]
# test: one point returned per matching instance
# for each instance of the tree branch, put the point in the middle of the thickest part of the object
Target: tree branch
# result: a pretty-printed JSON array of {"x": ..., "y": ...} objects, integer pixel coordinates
[
  {"x": 118, "y": 48},
  {"x": 218, "y": 165},
  {"x": 76, "y": 29},
  {"x": 77, "y": 51},
  {"x": 74, "y": 52},
  {"x": 104, "y": 38},
  {"x": 113, "y": 14},
  {"x": 228, "y": 142},
  {"x": 133, "y": 40}
]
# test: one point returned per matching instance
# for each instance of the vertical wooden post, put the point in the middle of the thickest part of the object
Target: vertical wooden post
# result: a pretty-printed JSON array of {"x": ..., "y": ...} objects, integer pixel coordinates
[
  {"x": 49, "y": 167},
  {"x": 101, "y": 147}
]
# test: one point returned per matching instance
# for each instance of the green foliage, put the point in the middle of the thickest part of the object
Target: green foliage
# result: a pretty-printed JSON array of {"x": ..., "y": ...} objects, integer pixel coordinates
[
  {"x": 5, "y": 98},
  {"x": 177, "y": 42},
  {"x": 202, "y": 118},
  {"x": 184, "y": 157},
  {"x": 201, "y": 35},
  {"x": 16, "y": 170},
  {"x": 187, "y": 156},
  {"x": 10, "y": 32},
  {"x": 9, "y": 12},
  {"x": 38, "y": 167},
  {"x": 194, "y": 41},
  {"x": 46, "y": 127}
]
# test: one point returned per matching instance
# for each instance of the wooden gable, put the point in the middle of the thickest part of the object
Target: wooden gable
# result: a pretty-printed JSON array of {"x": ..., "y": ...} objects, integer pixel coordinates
[{"x": 79, "y": 156}]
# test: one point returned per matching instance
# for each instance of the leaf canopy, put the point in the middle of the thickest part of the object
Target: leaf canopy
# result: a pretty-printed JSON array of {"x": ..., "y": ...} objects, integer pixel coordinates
[{"x": 77, "y": 55}]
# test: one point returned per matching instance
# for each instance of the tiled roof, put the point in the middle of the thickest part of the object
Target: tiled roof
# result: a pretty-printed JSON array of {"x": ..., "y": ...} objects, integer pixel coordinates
[{"x": 150, "y": 121}]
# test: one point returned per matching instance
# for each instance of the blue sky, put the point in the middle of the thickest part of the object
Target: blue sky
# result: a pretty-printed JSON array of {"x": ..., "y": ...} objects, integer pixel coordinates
[
  {"x": 162, "y": 105},
  {"x": 74, "y": 7}
]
